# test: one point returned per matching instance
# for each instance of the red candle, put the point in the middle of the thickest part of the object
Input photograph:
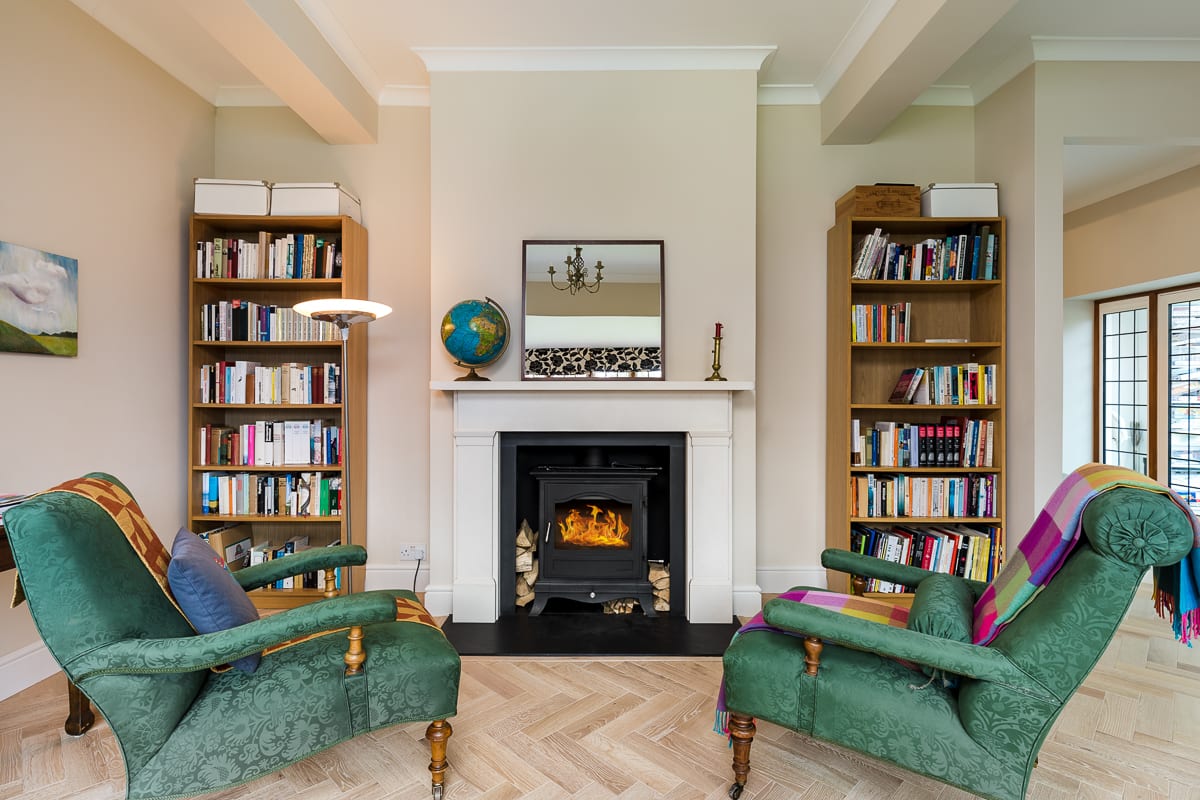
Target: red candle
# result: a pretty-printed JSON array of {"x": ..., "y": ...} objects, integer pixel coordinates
[{"x": 718, "y": 334}]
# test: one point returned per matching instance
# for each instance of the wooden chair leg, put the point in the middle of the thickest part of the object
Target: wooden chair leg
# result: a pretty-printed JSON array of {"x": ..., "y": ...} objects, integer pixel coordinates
[
  {"x": 741, "y": 731},
  {"x": 812, "y": 654},
  {"x": 80, "y": 716},
  {"x": 437, "y": 733},
  {"x": 354, "y": 655}
]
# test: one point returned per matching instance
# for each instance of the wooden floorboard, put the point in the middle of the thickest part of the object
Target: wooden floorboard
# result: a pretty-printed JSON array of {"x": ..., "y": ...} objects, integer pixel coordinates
[{"x": 636, "y": 728}]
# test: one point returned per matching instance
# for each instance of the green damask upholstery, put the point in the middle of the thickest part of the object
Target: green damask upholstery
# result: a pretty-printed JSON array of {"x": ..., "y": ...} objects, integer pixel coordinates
[
  {"x": 984, "y": 734},
  {"x": 183, "y": 729}
]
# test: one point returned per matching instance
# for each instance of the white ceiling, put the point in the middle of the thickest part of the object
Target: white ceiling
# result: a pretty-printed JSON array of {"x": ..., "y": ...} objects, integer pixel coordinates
[{"x": 336, "y": 61}]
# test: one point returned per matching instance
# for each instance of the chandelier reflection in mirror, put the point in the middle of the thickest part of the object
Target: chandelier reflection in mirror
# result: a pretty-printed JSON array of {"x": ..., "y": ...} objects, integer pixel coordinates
[{"x": 577, "y": 275}]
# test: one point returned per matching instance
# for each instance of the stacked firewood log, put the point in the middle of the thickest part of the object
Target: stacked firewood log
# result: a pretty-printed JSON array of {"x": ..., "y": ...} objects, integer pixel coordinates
[
  {"x": 660, "y": 579},
  {"x": 527, "y": 565}
]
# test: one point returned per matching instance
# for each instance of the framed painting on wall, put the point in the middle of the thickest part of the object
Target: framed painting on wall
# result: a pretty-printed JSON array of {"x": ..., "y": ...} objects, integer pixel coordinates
[{"x": 39, "y": 302}]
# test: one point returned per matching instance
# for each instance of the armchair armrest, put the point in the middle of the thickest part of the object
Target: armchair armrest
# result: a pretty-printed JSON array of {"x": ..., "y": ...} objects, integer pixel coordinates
[
  {"x": 191, "y": 653},
  {"x": 312, "y": 560},
  {"x": 971, "y": 660},
  {"x": 871, "y": 567}
]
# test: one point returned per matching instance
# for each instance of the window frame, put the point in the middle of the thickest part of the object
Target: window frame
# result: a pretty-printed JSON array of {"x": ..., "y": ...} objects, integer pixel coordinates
[{"x": 1156, "y": 302}]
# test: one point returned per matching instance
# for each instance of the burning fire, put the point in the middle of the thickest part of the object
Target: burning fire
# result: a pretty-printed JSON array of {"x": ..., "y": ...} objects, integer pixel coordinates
[{"x": 600, "y": 527}]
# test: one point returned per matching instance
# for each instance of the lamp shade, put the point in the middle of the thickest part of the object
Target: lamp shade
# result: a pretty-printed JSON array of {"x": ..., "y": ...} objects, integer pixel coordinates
[{"x": 342, "y": 311}]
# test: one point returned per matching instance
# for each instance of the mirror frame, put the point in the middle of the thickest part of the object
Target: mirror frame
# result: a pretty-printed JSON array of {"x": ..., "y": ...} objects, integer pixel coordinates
[{"x": 662, "y": 306}]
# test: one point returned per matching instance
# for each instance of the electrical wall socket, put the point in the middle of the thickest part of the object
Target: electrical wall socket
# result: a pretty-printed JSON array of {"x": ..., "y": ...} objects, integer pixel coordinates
[{"x": 412, "y": 552}]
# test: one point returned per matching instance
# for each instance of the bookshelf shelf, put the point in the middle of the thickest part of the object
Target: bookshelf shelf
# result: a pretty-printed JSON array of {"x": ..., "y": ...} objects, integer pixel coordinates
[
  {"x": 971, "y": 314},
  {"x": 925, "y": 345},
  {"x": 265, "y": 345},
  {"x": 924, "y": 470},
  {"x": 926, "y": 520},
  {"x": 225, "y": 519},
  {"x": 268, "y": 406},
  {"x": 215, "y": 298},
  {"x": 269, "y": 468}
]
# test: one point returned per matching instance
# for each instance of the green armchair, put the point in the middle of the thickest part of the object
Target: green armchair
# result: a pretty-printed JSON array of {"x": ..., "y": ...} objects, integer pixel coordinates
[
  {"x": 183, "y": 728},
  {"x": 843, "y": 679}
]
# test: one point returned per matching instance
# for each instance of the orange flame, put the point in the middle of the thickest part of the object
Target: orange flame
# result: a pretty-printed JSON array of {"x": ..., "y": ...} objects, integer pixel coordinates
[{"x": 601, "y": 527}]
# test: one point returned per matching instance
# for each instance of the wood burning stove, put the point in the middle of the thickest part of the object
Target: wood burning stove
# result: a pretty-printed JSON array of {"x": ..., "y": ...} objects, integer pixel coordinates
[{"x": 593, "y": 533}]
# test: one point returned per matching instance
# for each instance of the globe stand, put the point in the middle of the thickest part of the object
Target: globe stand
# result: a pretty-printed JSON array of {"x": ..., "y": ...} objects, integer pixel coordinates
[
  {"x": 467, "y": 341},
  {"x": 470, "y": 376}
]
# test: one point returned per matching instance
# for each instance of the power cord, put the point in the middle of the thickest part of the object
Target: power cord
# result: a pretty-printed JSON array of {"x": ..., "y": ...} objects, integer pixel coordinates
[{"x": 415, "y": 571}]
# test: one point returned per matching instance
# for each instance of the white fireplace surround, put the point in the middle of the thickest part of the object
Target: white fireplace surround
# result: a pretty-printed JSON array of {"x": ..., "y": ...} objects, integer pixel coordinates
[{"x": 482, "y": 410}]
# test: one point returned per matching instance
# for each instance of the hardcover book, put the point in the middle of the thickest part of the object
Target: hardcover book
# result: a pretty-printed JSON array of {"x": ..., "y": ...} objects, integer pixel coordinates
[{"x": 906, "y": 386}]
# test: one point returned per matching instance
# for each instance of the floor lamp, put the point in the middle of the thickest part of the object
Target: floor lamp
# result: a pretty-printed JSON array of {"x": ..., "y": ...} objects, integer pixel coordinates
[{"x": 344, "y": 313}]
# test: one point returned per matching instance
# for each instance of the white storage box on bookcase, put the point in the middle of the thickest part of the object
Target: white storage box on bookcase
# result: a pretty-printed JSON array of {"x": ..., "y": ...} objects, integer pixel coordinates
[
  {"x": 314, "y": 199},
  {"x": 223, "y": 196},
  {"x": 960, "y": 200}
]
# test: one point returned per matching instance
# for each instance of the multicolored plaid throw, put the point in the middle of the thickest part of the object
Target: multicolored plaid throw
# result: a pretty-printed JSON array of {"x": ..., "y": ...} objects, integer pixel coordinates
[
  {"x": 851, "y": 605},
  {"x": 1053, "y": 534}
]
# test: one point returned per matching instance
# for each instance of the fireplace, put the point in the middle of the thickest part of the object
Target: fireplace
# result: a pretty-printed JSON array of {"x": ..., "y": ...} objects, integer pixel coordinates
[
  {"x": 603, "y": 507},
  {"x": 473, "y": 510},
  {"x": 592, "y": 543}
]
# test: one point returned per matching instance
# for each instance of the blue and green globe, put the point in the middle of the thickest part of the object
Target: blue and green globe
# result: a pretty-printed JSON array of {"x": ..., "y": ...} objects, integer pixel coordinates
[{"x": 475, "y": 333}]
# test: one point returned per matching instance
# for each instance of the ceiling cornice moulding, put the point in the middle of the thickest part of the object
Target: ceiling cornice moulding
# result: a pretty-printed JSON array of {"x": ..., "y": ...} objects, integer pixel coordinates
[
  {"x": 592, "y": 59},
  {"x": 1090, "y": 48}
]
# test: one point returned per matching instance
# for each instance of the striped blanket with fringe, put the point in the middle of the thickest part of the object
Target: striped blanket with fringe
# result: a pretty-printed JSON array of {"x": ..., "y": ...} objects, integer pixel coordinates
[{"x": 1053, "y": 534}]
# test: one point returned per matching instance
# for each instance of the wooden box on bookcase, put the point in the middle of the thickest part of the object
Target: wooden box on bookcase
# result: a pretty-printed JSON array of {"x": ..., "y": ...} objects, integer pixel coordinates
[
  {"x": 267, "y": 335},
  {"x": 945, "y": 323}
]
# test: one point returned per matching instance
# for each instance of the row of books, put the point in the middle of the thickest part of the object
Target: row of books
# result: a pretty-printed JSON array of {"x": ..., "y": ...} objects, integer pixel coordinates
[
  {"x": 269, "y": 443},
  {"x": 947, "y": 385},
  {"x": 903, "y": 495},
  {"x": 975, "y": 552},
  {"x": 262, "y": 553},
  {"x": 246, "y": 321},
  {"x": 967, "y": 256},
  {"x": 953, "y": 442},
  {"x": 270, "y": 256},
  {"x": 878, "y": 322},
  {"x": 282, "y": 384},
  {"x": 288, "y": 494}
]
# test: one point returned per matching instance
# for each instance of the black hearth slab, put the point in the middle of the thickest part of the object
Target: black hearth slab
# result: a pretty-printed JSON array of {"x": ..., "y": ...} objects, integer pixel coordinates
[{"x": 588, "y": 634}]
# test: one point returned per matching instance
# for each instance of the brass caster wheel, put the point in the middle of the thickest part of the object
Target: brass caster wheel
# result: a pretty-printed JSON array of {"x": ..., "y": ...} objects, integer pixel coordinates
[
  {"x": 735, "y": 791},
  {"x": 437, "y": 792}
]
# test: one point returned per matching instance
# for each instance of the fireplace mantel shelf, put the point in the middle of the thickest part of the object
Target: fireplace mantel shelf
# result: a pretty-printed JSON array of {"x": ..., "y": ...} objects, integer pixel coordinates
[{"x": 591, "y": 386}]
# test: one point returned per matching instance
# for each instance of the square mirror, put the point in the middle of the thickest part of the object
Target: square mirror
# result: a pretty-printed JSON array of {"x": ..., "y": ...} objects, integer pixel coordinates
[{"x": 593, "y": 309}]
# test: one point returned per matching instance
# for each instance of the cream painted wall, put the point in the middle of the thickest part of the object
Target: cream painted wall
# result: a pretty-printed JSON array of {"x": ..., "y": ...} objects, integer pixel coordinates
[
  {"x": 1137, "y": 237},
  {"x": 798, "y": 182},
  {"x": 100, "y": 148},
  {"x": 1072, "y": 103},
  {"x": 392, "y": 179},
  {"x": 617, "y": 155},
  {"x": 1005, "y": 153}
]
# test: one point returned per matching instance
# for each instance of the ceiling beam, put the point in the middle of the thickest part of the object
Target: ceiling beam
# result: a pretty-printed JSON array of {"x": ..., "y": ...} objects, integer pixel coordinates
[
  {"x": 281, "y": 47},
  {"x": 913, "y": 45}
]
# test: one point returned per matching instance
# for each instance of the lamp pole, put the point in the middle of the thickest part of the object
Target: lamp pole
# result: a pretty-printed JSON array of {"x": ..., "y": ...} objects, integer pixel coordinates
[{"x": 344, "y": 313}]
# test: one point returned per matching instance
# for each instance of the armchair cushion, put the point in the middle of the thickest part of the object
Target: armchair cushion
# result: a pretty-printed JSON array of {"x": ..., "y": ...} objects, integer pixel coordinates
[
  {"x": 206, "y": 590},
  {"x": 943, "y": 606}
]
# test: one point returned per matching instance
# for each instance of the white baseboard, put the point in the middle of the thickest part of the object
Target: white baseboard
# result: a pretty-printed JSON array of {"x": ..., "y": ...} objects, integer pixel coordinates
[
  {"x": 23, "y": 668},
  {"x": 775, "y": 580},
  {"x": 397, "y": 576}
]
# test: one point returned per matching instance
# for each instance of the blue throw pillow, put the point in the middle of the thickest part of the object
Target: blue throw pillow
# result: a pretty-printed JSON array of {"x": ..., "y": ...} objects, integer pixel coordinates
[{"x": 207, "y": 592}]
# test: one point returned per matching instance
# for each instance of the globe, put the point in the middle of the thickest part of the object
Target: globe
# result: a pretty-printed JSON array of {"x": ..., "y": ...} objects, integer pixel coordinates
[{"x": 475, "y": 333}]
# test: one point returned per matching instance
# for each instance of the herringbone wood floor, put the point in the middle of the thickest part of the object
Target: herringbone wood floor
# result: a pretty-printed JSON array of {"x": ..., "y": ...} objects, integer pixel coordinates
[{"x": 640, "y": 728}]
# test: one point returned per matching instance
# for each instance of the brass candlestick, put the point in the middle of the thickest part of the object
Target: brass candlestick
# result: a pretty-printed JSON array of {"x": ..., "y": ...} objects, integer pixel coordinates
[{"x": 716, "y": 351}]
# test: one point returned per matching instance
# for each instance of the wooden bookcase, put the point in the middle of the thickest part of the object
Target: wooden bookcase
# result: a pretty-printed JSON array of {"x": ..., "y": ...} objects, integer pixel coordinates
[
  {"x": 276, "y": 529},
  {"x": 861, "y": 375}
]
